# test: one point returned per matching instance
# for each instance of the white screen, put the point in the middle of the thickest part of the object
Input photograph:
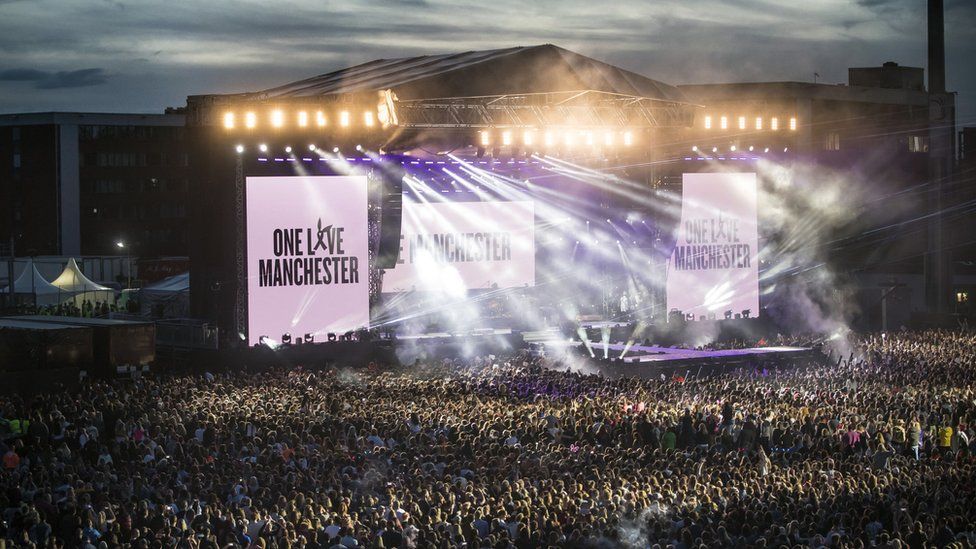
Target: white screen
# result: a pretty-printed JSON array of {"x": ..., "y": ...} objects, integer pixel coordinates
[
  {"x": 456, "y": 246},
  {"x": 307, "y": 262},
  {"x": 714, "y": 267}
]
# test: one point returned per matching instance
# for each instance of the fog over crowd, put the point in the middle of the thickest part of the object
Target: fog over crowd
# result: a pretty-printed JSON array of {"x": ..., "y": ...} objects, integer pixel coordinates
[{"x": 868, "y": 449}]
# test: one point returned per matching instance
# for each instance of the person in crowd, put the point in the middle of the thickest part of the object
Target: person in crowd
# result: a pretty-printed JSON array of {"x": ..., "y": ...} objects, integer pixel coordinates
[{"x": 513, "y": 452}]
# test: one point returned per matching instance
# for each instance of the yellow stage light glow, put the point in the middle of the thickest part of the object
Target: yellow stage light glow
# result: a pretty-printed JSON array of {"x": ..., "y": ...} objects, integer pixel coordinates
[
  {"x": 774, "y": 123},
  {"x": 344, "y": 119},
  {"x": 528, "y": 138},
  {"x": 506, "y": 138},
  {"x": 485, "y": 139},
  {"x": 368, "y": 119},
  {"x": 302, "y": 119},
  {"x": 742, "y": 122},
  {"x": 229, "y": 120},
  {"x": 277, "y": 118},
  {"x": 793, "y": 123},
  {"x": 250, "y": 120},
  {"x": 724, "y": 122},
  {"x": 628, "y": 139},
  {"x": 708, "y": 122},
  {"x": 320, "y": 119},
  {"x": 758, "y": 122}
]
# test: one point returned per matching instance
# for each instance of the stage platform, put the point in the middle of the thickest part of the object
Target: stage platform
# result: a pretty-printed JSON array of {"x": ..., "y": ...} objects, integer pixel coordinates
[
  {"x": 641, "y": 353},
  {"x": 652, "y": 361}
]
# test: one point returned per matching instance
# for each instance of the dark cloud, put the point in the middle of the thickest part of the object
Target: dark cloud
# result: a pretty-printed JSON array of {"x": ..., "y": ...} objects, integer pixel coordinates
[
  {"x": 157, "y": 56},
  {"x": 56, "y": 80}
]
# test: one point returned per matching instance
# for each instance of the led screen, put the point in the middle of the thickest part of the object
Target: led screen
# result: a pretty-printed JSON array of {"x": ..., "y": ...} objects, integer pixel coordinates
[
  {"x": 456, "y": 246},
  {"x": 714, "y": 265},
  {"x": 307, "y": 270}
]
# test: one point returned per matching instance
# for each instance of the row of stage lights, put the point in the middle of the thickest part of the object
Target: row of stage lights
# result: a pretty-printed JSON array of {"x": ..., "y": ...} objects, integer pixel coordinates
[
  {"x": 263, "y": 147},
  {"x": 306, "y": 119},
  {"x": 555, "y": 138},
  {"x": 732, "y": 148},
  {"x": 744, "y": 123}
]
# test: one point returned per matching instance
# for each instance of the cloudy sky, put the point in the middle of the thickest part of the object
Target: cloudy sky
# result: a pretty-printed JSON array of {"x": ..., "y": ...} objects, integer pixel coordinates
[{"x": 144, "y": 55}]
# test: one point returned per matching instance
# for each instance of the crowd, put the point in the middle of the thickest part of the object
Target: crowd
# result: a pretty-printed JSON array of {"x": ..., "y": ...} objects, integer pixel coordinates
[{"x": 871, "y": 448}]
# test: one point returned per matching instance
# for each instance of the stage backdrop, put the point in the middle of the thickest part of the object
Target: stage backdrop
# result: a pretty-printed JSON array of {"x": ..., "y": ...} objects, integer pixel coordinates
[
  {"x": 307, "y": 262},
  {"x": 455, "y": 246},
  {"x": 714, "y": 267}
]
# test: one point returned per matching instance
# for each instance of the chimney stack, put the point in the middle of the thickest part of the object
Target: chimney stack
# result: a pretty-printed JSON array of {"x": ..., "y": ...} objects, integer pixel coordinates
[{"x": 936, "y": 47}]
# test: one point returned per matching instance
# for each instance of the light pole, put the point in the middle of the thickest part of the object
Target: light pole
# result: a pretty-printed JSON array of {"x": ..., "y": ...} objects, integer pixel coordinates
[{"x": 121, "y": 245}]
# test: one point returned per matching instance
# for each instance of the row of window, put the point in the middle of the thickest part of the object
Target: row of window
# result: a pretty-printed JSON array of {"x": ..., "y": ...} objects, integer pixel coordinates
[
  {"x": 916, "y": 143},
  {"x": 138, "y": 133},
  {"x": 139, "y": 212},
  {"x": 134, "y": 159},
  {"x": 153, "y": 184}
]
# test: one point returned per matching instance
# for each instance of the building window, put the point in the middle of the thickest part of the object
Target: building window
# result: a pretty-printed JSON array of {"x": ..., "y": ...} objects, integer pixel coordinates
[
  {"x": 832, "y": 141},
  {"x": 918, "y": 144}
]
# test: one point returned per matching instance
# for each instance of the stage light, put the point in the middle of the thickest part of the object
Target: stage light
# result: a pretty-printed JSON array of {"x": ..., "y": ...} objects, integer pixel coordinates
[
  {"x": 506, "y": 138},
  {"x": 485, "y": 138},
  {"x": 750, "y": 148},
  {"x": 793, "y": 124},
  {"x": 263, "y": 148},
  {"x": 320, "y": 119},
  {"x": 229, "y": 120},
  {"x": 288, "y": 149},
  {"x": 708, "y": 122},
  {"x": 344, "y": 119},
  {"x": 568, "y": 138},
  {"x": 312, "y": 147},
  {"x": 766, "y": 150},
  {"x": 368, "y": 119},
  {"x": 724, "y": 122},
  {"x": 786, "y": 149},
  {"x": 335, "y": 150},
  {"x": 302, "y": 119},
  {"x": 250, "y": 120},
  {"x": 359, "y": 148},
  {"x": 714, "y": 149},
  {"x": 732, "y": 148},
  {"x": 589, "y": 139},
  {"x": 277, "y": 118},
  {"x": 120, "y": 244},
  {"x": 239, "y": 149},
  {"x": 550, "y": 139},
  {"x": 527, "y": 138},
  {"x": 774, "y": 123},
  {"x": 742, "y": 122},
  {"x": 758, "y": 122},
  {"x": 628, "y": 139},
  {"x": 608, "y": 138},
  {"x": 608, "y": 221}
]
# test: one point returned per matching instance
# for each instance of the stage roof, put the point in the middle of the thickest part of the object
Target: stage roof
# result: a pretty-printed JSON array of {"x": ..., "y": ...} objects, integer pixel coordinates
[{"x": 521, "y": 70}]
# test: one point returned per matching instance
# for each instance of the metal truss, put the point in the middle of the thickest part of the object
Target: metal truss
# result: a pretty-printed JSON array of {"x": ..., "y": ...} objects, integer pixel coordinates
[
  {"x": 577, "y": 109},
  {"x": 240, "y": 293}
]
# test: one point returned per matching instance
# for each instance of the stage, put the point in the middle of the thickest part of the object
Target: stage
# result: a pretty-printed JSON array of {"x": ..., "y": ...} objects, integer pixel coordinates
[{"x": 652, "y": 361}]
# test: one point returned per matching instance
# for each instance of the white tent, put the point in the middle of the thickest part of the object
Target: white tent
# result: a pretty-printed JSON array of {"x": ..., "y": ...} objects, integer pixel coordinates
[
  {"x": 72, "y": 281},
  {"x": 169, "y": 297},
  {"x": 30, "y": 281}
]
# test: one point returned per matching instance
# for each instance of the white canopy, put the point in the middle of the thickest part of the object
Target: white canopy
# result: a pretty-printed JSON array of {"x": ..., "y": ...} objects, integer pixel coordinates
[
  {"x": 30, "y": 281},
  {"x": 169, "y": 297},
  {"x": 73, "y": 281}
]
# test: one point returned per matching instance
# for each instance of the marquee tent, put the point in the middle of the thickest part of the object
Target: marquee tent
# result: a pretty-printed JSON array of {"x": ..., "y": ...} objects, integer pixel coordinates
[
  {"x": 32, "y": 282},
  {"x": 170, "y": 297},
  {"x": 74, "y": 282}
]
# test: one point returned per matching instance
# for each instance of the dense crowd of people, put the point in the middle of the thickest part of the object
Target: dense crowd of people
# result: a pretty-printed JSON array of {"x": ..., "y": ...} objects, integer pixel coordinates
[{"x": 870, "y": 448}]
